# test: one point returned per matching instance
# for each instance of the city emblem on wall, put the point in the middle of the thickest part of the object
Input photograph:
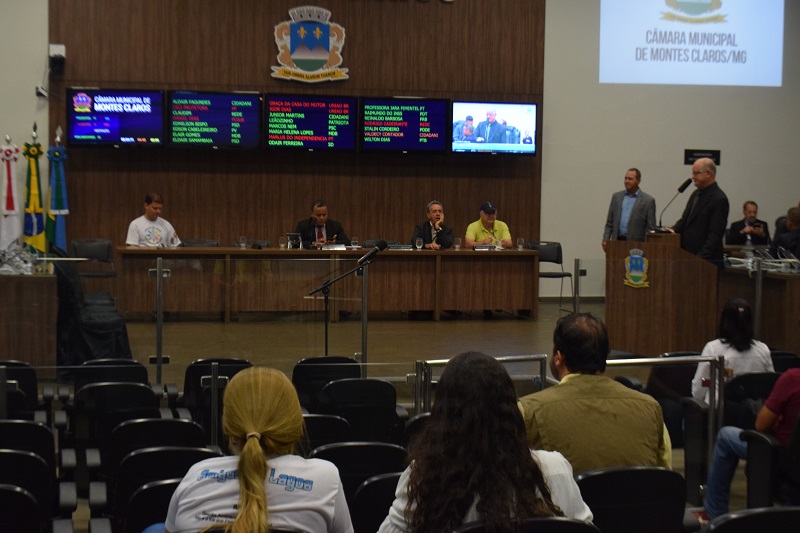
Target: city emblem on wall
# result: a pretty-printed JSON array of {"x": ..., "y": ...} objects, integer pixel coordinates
[
  {"x": 309, "y": 46},
  {"x": 694, "y": 11},
  {"x": 636, "y": 269}
]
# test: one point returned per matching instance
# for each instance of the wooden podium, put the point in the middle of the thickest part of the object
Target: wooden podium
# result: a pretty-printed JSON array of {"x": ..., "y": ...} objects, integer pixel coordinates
[{"x": 671, "y": 307}]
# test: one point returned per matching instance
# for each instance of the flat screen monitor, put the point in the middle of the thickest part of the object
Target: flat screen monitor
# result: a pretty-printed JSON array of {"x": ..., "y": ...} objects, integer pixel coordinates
[
  {"x": 214, "y": 119},
  {"x": 311, "y": 122},
  {"x": 114, "y": 117},
  {"x": 494, "y": 127},
  {"x": 405, "y": 124}
]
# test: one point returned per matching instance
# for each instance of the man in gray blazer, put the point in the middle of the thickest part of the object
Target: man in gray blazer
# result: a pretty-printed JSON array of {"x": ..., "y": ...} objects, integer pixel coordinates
[{"x": 632, "y": 212}]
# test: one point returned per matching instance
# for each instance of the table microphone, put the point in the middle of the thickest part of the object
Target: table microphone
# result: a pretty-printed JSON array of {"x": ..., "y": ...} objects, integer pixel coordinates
[
  {"x": 367, "y": 257},
  {"x": 683, "y": 187}
]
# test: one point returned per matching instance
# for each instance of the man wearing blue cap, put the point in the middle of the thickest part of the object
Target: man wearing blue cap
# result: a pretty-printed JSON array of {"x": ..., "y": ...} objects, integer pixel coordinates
[{"x": 487, "y": 230}]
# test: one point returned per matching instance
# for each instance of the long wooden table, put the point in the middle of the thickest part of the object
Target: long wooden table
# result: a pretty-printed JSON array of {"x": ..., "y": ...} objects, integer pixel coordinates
[{"x": 229, "y": 281}]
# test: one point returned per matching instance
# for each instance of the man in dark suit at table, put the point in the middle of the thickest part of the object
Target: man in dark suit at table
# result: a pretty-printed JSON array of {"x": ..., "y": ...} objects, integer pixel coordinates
[
  {"x": 318, "y": 229},
  {"x": 758, "y": 230},
  {"x": 434, "y": 234},
  {"x": 790, "y": 239},
  {"x": 705, "y": 217},
  {"x": 632, "y": 212},
  {"x": 490, "y": 131}
]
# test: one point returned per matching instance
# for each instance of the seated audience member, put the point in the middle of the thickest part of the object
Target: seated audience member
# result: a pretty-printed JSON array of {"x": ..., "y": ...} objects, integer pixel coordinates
[
  {"x": 780, "y": 227},
  {"x": 487, "y": 229},
  {"x": 318, "y": 229},
  {"x": 150, "y": 229},
  {"x": 470, "y": 461},
  {"x": 776, "y": 417},
  {"x": 512, "y": 132},
  {"x": 458, "y": 126},
  {"x": 249, "y": 493},
  {"x": 790, "y": 239},
  {"x": 593, "y": 420},
  {"x": 466, "y": 135},
  {"x": 743, "y": 354},
  {"x": 758, "y": 230},
  {"x": 434, "y": 234}
]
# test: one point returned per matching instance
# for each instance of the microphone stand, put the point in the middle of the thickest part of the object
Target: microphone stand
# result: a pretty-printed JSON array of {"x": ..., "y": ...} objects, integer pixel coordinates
[{"x": 325, "y": 290}]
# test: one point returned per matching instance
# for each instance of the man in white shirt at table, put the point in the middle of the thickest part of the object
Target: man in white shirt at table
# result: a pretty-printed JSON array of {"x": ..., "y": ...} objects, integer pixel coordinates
[{"x": 150, "y": 229}]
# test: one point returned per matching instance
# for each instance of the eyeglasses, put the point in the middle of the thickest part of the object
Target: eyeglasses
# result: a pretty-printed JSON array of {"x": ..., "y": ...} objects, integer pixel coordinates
[{"x": 696, "y": 172}]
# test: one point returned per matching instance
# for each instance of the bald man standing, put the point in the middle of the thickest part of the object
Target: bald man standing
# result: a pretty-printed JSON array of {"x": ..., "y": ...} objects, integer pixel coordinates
[{"x": 702, "y": 226}]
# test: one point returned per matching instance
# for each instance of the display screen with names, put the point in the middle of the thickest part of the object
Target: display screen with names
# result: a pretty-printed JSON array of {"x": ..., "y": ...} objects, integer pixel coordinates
[
  {"x": 222, "y": 120},
  {"x": 311, "y": 122},
  {"x": 404, "y": 124}
]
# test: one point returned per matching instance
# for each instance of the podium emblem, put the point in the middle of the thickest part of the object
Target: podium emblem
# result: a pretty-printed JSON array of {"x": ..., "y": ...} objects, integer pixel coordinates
[{"x": 636, "y": 269}]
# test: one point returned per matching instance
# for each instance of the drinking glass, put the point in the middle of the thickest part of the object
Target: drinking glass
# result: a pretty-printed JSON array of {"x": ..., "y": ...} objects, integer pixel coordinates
[
  {"x": 354, "y": 243},
  {"x": 242, "y": 242},
  {"x": 457, "y": 244},
  {"x": 282, "y": 242},
  {"x": 418, "y": 243},
  {"x": 498, "y": 244},
  {"x": 520, "y": 243}
]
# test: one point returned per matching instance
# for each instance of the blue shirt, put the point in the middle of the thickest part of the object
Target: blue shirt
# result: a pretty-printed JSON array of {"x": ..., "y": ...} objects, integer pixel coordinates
[{"x": 625, "y": 216}]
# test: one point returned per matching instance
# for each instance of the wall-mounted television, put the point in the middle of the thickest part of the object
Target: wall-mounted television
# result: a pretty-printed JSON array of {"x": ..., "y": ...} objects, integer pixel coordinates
[
  {"x": 114, "y": 117},
  {"x": 311, "y": 122},
  {"x": 214, "y": 119},
  {"x": 494, "y": 127},
  {"x": 405, "y": 124}
]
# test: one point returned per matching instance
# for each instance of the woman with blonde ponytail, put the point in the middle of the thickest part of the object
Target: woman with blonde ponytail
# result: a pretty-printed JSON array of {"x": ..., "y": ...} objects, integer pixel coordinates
[{"x": 264, "y": 486}]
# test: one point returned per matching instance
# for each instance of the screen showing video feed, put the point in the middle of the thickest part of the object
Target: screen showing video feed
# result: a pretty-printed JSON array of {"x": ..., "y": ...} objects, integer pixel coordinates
[
  {"x": 98, "y": 117},
  {"x": 494, "y": 127}
]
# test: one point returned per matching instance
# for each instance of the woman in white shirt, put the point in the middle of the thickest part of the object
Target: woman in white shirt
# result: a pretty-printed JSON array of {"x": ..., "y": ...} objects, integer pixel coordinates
[
  {"x": 471, "y": 460},
  {"x": 743, "y": 354},
  {"x": 264, "y": 486}
]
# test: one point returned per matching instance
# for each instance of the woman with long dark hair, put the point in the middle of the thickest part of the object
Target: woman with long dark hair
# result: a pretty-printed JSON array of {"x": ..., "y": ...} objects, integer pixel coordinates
[
  {"x": 264, "y": 486},
  {"x": 471, "y": 460},
  {"x": 743, "y": 354}
]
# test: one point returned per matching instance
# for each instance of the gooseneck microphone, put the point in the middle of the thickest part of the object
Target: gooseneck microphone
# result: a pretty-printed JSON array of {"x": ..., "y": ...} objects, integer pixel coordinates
[
  {"x": 367, "y": 257},
  {"x": 683, "y": 187}
]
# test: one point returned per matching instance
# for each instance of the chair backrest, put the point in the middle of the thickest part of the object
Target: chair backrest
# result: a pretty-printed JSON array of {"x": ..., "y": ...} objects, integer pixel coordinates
[
  {"x": 672, "y": 381},
  {"x": 368, "y": 404},
  {"x": 544, "y": 524},
  {"x": 99, "y": 407},
  {"x": 153, "y": 464},
  {"x": 781, "y": 360},
  {"x": 310, "y": 375},
  {"x": 25, "y": 376},
  {"x": 744, "y": 396},
  {"x": 149, "y": 504},
  {"x": 29, "y": 436},
  {"x": 19, "y": 510},
  {"x": 109, "y": 369},
  {"x": 201, "y": 368},
  {"x": 140, "y": 433},
  {"x": 549, "y": 251},
  {"x": 372, "y": 500},
  {"x": 413, "y": 427},
  {"x": 634, "y": 498},
  {"x": 359, "y": 461},
  {"x": 30, "y": 472},
  {"x": 324, "y": 429},
  {"x": 772, "y": 519},
  {"x": 98, "y": 251}
]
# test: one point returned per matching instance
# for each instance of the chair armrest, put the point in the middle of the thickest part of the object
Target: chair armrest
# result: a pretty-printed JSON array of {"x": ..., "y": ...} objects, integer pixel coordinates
[
  {"x": 67, "y": 498},
  {"x": 63, "y": 525},
  {"x": 166, "y": 412},
  {"x": 761, "y": 467},
  {"x": 402, "y": 412},
  {"x": 99, "y": 525},
  {"x": 68, "y": 462},
  {"x": 172, "y": 394},
  {"x": 60, "y": 420},
  {"x": 98, "y": 498},
  {"x": 93, "y": 460},
  {"x": 63, "y": 393},
  {"x": 40, "y": 416},
  {"x": 158, "y": 390},
  {"x": 182, "y": 413}
]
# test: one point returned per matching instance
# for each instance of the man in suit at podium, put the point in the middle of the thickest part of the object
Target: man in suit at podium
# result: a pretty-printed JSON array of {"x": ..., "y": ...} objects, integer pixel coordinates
[
  {"x": 632, "y": 212},
  {"x": 319, "y": 229},
  {"x": 749, "y": 225},
  {"x": 702, "y": 225}
]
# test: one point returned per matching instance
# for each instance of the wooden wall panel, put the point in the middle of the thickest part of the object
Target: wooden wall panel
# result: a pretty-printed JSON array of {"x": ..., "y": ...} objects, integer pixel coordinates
[{"x": 467, "y": 49}]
